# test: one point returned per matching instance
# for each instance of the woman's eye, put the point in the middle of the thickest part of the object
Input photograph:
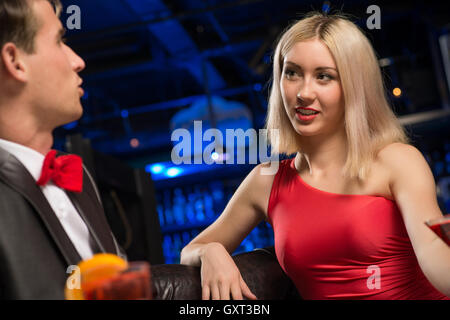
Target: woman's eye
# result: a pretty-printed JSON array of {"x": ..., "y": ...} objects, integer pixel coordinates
[
  {"x": 325, "y": 76},
  {"x": 289, "y": 73}
]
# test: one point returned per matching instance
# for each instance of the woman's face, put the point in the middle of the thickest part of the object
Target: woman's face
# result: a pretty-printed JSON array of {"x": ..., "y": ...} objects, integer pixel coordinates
[{"x": 310, "y": 80}]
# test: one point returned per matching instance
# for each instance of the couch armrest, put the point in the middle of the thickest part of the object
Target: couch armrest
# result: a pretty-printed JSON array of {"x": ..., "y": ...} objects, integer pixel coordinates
[{"x": 259, "y": 269}]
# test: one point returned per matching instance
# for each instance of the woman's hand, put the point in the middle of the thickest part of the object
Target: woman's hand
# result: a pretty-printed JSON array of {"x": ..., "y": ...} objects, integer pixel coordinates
[{"x": 220, "y": 277}]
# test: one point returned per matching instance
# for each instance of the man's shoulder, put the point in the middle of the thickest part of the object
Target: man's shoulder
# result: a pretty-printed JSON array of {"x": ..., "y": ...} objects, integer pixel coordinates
[{"x": 8, "y": 193}]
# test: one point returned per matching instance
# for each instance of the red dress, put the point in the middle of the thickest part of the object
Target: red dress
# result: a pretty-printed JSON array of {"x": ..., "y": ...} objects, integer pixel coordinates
[{"x": 336, "y": 246}]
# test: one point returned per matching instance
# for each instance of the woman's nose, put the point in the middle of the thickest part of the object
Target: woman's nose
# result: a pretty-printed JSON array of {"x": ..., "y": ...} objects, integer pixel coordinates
[{"x": 306, "y": 92}]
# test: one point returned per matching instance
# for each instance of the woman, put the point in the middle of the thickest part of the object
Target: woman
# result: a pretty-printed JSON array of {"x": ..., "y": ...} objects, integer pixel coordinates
[{"x": 349, "y": 210}]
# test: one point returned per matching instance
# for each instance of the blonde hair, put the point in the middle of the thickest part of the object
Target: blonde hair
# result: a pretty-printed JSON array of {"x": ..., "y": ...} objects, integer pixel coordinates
[{"x": 370, "y": 123}]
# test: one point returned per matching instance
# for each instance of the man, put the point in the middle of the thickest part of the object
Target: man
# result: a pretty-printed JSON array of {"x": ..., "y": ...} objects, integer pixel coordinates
[{"x": 46, "y": 224}]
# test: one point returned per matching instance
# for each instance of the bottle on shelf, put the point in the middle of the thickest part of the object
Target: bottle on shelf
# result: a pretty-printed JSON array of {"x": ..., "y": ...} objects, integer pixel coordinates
[
  {"x": 168, "y": 214},
  {"x": 209, "y": 205},
  {"x": 167, "y": 249},
  {"x": 186, "y": 237},
  {"x": 218, "y": 195},
  {"x": 191, "y": 208},
  {"x": 198, "y": 205},
  {"x": 179, "y": 205},
  {"x": 177, "y": 246}
]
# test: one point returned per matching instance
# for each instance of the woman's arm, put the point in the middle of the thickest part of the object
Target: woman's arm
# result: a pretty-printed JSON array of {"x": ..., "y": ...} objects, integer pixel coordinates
[
  {"x": 211, "y": 249},
  {"x": 414, "y": 189}
]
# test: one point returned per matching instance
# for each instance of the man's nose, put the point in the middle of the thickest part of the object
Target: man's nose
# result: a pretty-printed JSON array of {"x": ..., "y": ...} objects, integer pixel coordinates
[{"x": 77, "y": 62}]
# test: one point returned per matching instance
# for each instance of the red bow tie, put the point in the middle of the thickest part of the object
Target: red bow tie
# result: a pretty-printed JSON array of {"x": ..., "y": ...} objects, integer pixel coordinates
[{"x": 65, "y": 171}]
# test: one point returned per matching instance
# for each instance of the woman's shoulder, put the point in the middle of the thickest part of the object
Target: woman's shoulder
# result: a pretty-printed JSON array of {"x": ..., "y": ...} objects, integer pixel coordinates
[
  {"x": 258, "y": 183},
  {"x": 384, "y": 167},
  {"x": 398, "y": 153},
  {"x": 401, "y": 160},
  {"x": 397, "y": 148}
]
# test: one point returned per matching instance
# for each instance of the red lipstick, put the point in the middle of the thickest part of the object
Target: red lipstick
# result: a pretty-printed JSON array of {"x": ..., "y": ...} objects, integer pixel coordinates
[{"x": 305, "y": 117}]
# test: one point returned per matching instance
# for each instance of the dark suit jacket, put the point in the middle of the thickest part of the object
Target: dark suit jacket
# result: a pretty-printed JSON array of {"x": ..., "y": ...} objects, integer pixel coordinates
[{"x": 35, "y": 251}]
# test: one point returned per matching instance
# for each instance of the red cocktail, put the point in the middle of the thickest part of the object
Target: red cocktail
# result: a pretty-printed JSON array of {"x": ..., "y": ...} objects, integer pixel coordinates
[{"x": 441, "y": 227}]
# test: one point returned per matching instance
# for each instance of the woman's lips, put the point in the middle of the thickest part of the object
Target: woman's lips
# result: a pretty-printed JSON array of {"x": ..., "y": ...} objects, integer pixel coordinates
[
  {"x": 305, "y": 108},
  {"x": 305, "y": 118}
]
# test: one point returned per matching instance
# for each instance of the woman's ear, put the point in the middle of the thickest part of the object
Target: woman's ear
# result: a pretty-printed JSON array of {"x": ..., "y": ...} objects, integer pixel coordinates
[{"x": 13, "y": 61}]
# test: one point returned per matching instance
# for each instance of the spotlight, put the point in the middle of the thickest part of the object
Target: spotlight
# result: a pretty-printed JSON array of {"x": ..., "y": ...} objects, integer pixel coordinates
[
  {"x": 134, "y": 143},
  {"x": 154, "y": 168},
  {"x": 214, "y": 156},
  {"x": 397, "y": 92},
  {"x": 124, "y": 113},
  {"x": 173, "y": 172},
  {"x": 257, "y": 87}
]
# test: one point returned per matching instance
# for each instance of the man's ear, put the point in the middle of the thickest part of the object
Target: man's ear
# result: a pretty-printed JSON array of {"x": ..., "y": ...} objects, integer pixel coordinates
[{"x": 13, "y": 62}]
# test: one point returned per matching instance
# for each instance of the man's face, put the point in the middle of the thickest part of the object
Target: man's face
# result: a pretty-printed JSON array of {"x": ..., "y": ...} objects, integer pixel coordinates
[{"x": 54, "y": 83}]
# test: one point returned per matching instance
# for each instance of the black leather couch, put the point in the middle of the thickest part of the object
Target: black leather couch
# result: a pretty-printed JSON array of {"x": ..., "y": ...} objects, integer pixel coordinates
[{"x": 259, "y": 269}]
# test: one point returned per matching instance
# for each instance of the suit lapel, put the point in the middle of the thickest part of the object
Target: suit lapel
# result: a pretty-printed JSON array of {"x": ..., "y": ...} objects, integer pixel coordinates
[
  {"x": 91, "y": 211},
  {"x": 14, "y": 174}
]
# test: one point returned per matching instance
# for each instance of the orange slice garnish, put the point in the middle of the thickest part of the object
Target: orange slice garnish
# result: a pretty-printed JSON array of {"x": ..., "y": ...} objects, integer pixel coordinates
[{"x": 92, "y": 271}]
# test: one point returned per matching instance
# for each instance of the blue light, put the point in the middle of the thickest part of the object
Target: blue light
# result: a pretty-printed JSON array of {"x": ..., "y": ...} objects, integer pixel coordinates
[
  {"x": 154, "y": 168},
  {"x": 85, "y": 95},
  {"x": 257, "y": 87},
  {"x": 70, "y": 125},
  {"x": 326, "y": 7},
  {"x": 173, "y": 172},
  {"x": 124, "y": 113},
  {"x": 214, "y": 156},
  {"x": 439, "y": 168}
]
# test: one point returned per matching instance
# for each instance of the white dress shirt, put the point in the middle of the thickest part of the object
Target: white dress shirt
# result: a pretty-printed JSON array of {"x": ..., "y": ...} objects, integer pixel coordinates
[{"x": 69, "y": 217}]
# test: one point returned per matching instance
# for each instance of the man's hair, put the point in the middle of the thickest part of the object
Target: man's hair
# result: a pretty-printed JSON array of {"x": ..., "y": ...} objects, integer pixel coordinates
[
  {"x": 18, "y": 23},
  {"x": 370, "y": 123}
]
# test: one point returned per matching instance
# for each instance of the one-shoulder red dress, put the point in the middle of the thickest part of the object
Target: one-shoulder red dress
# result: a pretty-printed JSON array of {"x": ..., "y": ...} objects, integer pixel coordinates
[{"x": 337, "y": 246}]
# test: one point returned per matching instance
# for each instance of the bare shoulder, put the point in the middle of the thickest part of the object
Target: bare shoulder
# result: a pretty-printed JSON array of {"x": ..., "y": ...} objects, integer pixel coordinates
[
  {"x": 406, "y": 166},
  {"x": 401, "y": 157},
  {"x": 258, "y": 184},
  {"x": 396, "y": 150},
  {"x": 264, "y": 173}
]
